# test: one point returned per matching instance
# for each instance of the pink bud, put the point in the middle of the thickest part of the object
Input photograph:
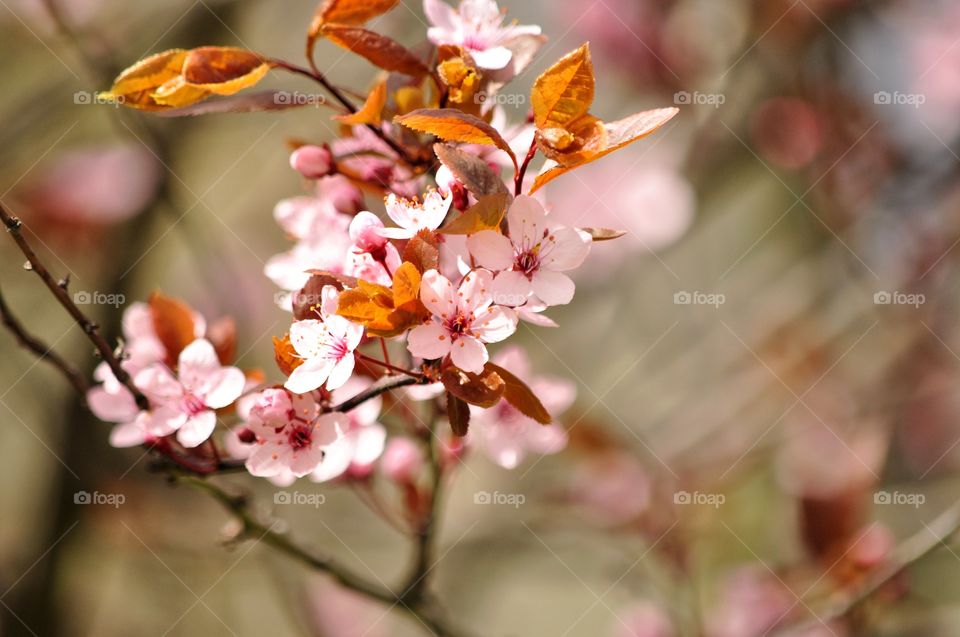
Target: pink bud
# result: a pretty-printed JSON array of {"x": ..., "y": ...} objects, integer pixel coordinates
[
  {"x": 339, "y": 191},
  {"x": 312, "y": 162},
  {"x": 402, "y": 460}
]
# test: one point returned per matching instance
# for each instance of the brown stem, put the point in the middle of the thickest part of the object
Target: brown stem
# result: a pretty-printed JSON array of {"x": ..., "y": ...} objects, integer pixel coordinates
[
  {"x": 393, "y": 368},
  {"x": 59, "y": 291},
  {"x": 43, "y": 351},
  {"x": 518, "y": 178},
  {"x": 387, "y": 384}
]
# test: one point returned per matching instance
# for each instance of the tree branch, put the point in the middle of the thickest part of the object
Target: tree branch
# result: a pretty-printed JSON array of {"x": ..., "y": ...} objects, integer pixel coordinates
[
  {"x": 43, "y": 351},
  {"x": 388, "y": 383},
  {"x": 913, "y": 549},
  {"x": 59, "y": 291}
]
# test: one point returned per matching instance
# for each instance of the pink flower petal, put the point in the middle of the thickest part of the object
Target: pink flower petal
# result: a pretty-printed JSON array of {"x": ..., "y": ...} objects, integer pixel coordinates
[
  {"x": 553, "y": 288},
  {"x": 437, "y": 294},
  {"x": 197, "y": 429},
  {"x": 491, "y": 249},
  {"x": 429, "y": 341},
  {"x": 469, "y": 354},
  {"x": 494, "y": 324}
]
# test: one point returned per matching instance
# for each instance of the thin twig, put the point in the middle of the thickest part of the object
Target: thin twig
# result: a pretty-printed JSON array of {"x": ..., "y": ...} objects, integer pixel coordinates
[
  {"x": 59, "y": 291},
  {"x": 43, "y": 351},
  {"x": 387, "y": 384}
]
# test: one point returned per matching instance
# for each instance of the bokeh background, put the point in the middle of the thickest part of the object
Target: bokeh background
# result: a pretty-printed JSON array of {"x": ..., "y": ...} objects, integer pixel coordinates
[{"x": 768, "y": 365}]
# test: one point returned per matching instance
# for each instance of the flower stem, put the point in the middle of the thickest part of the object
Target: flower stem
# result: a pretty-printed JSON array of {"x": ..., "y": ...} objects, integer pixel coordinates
[{"x": 518, "y": 178}]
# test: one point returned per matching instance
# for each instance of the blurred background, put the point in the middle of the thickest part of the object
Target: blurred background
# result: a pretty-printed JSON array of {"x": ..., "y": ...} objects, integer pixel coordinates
[{"x": 767, "y": 365}]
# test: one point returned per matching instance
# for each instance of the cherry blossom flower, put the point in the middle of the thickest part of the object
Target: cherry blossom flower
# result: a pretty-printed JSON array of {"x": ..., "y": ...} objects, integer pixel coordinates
[
  {"x": 326, "y": 345},
  {"x": 363, "y": 437},
  {"x": 414, "y": 216},
  {"x": 291, "y": 434},
  {"x": 533, "y": 257},
  {"x": 463, "y": 320},
  {"x": 402, "y": 460},
  {"x": 476, "y": 26},
  {"x": 644, "y": 619},
  {"x": 372, "y": 258},
  {"x": 505, "y": 434},
  {"x": 186, "y": 403}
]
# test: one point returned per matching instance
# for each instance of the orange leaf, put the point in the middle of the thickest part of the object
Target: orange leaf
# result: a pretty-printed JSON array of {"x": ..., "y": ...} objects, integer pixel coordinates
[
  {"x": 483, "y": 390},
  {"x": 372, "y": 109},
  {"x": 452, "y": 125},
  {"x": 349, "y": 12},
  {"x": 223, "y": 70},
  {"x": 486, "y": 214},
  {"x": 616, "y": 135},
  {"x": 135, "y": 85},
  {"x": 406, "y": 285},
  {"x": 521, "y": 397},
  {"x": 285, "y": 356},
  {"x": 564, "y": 92},
  {"x": 173, "y": 323},
  {"x": 385, "y": 311},
  {"x": 380, "y": 50}
]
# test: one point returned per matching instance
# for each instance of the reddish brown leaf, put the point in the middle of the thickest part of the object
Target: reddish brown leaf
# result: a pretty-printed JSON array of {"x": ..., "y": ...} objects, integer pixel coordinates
[
  {"x": 483, "y": 390},
  {"x": 378, "y": 49},
  {"x": 348, "y": 12},
  {"x": 486, "y": 214},
  {"x": 470, "y": 170},
  {"x": 423, "y": 251},
  {"x": 173, "y": 323},
  {"x": 452, "y": 125},
  {"x": 459, "y": 414},
  {"x": 520, "y": 396},
  {"x": 223, "y": 70},
  {"x": 222, "y": 334},
  {"x": 308, "y": 298}
]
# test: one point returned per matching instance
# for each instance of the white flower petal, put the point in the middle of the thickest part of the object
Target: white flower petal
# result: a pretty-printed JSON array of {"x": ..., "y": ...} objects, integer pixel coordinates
[
  {"x": 476, "y": 291},
  {"x": 469, "y": 354},
  {"x": 553, "y": 288},
  {"x": 197, "y": 429},
  {"x": 225, "y": 386},
  {"x": 491, "y": 249},
  {"x": 429, "y": 341},
  {"x": 437, "y": 294},
  {"x": 494, "y": 324},
  {"x": 511, "y": 288},
  {"x": 564, "y": 249}
]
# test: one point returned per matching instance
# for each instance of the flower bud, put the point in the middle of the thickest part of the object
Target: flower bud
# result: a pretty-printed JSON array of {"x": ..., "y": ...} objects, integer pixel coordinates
[
  {"x": 402, "y": 460},
  {"x": 312, "y": 162},
  {"x": 339, "y": 191},
  {"x": 273, "y": 407},
  {"x": 364, "y": 230}
]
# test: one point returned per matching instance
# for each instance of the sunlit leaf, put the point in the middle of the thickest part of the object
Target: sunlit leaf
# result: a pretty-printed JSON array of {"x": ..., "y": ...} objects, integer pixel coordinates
[
  {"x": 378, "y": 49},
  {"x": 135, "y": 85},
  {"x": 483, "y": 390},
  {"x": 276, "y": 100},
  {"x": 406, "y": 285},
  {"x": 386, "y": 311},
  {"x": 173, "y": 323},
  {"x": 616, "y": 135},
  {"x": 470, "y": 170},
  {"x": 603, "y": 234},
  {"x": 306, "y": 301},
  {"x": 486, "y": 214},
  {"x": 285, "y": 356},
  {"x": 565, "y": 91},
  {"x": 452, "y": 125},
  {"x": 223, "y": 70},
  {"x": 458, "y": 412},
  {"x": 372, "y": 109},
  {"x": 518, "y": 394},
  {"x": 348, "y": 12}
]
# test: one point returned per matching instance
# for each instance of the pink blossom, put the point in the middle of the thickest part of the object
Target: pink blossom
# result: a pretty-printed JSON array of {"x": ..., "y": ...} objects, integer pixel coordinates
[
  {"x": 413, "y": 216},
  {"x": 533, "y": 257},
  {"x": 186, "y": 403},
  {"x": 326, "y": 345},
  {"x": 345, "y": 197},
  {"x": 311, "y": 161},
  {"x": 644, "y": 619},
  {"x": 463, "y": 320},
  {"x": 402, "y": 460},
  {"x": 476, "y": 26},
  {"x": 372, "y": 258},
  {"x": 363, "y": 436},
  {"x": 291, "y": 434},
  {"x": 505, "y": 434}
]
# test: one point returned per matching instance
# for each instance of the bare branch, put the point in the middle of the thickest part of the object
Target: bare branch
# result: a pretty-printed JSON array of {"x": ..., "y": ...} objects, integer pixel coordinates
[{"x": 59, "y": 291}]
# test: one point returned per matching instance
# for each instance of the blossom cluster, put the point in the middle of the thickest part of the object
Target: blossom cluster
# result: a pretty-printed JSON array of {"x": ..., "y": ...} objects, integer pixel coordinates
[{"x": 448, "y": 260}]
